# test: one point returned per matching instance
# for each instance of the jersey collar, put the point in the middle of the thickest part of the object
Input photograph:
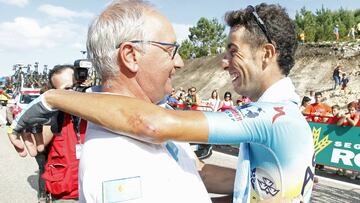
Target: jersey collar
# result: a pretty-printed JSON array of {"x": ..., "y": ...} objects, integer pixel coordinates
[{"x": 282, "y": 90}]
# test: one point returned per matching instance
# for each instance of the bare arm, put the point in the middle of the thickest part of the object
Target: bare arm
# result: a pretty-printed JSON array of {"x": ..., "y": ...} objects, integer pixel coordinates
[
  {"x": 352, "y": 122},
  {"x": 341, "y": 121},
  {"x": 132, "y": 117},
  {"x": 220, "y": 105}
]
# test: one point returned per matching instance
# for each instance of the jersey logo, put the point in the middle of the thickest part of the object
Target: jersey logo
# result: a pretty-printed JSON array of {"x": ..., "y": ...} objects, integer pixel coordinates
[
  {"x": 266, "y": 185},
  {"x": 280, "y": 113},
  {"x": 235, "y": 115},
  {"x": 253, "y": 114},
  {"x": 309, "y": 175},
  {"x": 253, "y": 178}
]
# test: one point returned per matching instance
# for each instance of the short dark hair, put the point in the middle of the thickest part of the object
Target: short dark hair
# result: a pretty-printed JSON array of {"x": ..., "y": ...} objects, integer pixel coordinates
[
  {"x": 305, "y": 100},
  {"x": 227, "y": 94},
  {"x": 318, "y": 94},
  {"x": 58, "y": 69},
  {"x": 280, "y": 28},
  {"x": 353, "y": 104}
]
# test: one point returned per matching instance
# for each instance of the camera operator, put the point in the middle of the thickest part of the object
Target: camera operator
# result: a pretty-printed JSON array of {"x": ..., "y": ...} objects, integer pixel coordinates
[{"x": 61, "y": 169}]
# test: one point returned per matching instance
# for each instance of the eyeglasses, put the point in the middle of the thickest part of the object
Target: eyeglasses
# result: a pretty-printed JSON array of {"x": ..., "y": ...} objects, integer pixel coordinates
[
  {"x": 258, "y": 20},
  {"x": 172, "y": 53}
]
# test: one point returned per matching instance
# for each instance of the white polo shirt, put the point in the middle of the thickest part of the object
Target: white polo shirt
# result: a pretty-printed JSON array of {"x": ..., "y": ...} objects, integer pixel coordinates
[{"x": 115, "y": 168}]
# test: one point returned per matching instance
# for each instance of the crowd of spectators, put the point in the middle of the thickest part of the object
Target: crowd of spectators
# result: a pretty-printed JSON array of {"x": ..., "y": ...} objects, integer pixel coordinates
[
  {"x": 180, "y": 99},
  {"x": 320, "y": 111}
]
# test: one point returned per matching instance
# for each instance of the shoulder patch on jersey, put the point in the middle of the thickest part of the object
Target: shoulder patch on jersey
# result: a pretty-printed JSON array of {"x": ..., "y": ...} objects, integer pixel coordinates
[{"x": 120, "y": 190}]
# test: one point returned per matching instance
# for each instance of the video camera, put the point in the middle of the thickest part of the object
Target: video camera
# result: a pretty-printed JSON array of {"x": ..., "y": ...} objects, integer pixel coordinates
[{"x": 81, "y": 73}]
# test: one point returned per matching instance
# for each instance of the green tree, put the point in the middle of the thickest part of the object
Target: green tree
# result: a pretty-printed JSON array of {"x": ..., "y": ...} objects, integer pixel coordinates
[
  {"x": 205, "y": 37},
  {"x": 186, "y": 49},
  {"x": 319, "y": 26},
  {"x": 306, "y": 22},
  {"x": 325, "y": 25}
]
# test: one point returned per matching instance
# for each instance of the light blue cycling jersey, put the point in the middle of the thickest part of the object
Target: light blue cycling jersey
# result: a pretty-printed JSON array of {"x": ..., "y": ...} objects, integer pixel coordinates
[{"x": 276, "y": 154}]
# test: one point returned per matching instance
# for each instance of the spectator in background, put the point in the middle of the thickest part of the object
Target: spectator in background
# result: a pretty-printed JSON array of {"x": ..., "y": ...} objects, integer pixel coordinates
[
  {"x": 214, "y": 100},
  {"x": 171, "y": 99},
  {"x": 193, "y": 97},
  {"x": 188, "y": 98},
  {"x": 178, "y": 91},
  {"x": 352, "y": 116},
  {"x": 193, "y": 55},
  {"x": 306, "y": 101},
  {"x": 182, "y": 98},
  {"x": 242, "y": 100},
  {"x": 352, "y": 33},
  {"x": 336, "y": 32},
  {"x": 336, "y": 75},
  {"x": 344, "y": 82},
  {"x": 336, "y": 115},
  {"x": 318, "y": 109},
  {"x": 227, "y": 103},
  {"x": 312, "y": 96},
  {"x": 302, "y": 37},
  {"x": 69, "y": 135}
]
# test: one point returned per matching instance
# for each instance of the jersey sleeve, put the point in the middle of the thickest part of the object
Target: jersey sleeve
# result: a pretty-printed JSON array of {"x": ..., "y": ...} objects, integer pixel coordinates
[{"x": 251, "y": 123}]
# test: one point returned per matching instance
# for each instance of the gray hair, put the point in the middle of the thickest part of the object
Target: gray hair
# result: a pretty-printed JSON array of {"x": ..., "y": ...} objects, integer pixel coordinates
[{"x": 121, "y": 21}]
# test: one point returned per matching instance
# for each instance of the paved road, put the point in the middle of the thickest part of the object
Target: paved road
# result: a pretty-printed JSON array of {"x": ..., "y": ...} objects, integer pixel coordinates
[{"x": 18, "y": 177}]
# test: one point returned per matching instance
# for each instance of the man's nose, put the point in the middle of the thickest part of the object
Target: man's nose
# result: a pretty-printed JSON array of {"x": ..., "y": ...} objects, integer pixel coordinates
[
  {"x": 225, "y": 63},
  {"x": 178, "y": 61}
]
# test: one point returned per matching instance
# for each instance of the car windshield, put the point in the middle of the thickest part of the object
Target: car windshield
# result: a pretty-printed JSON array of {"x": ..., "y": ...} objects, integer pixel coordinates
[{"x": 27, "y": 98}]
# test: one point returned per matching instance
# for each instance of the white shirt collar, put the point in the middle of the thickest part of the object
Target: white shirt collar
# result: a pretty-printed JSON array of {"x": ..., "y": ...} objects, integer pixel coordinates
[{"x": 282, "y": 90}]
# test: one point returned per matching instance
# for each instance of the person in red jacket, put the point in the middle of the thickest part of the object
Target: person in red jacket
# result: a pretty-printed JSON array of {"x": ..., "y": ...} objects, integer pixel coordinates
[{"x": 61, "y": 169}]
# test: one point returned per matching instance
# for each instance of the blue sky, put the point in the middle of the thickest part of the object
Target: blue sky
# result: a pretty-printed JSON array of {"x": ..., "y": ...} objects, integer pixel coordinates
[{"x": 54, "y": 32}]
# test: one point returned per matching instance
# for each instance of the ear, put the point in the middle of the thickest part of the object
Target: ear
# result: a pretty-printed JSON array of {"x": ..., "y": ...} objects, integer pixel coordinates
[
  {"x": 127, "y": 57},
  {"x": 269, "y": 54}
]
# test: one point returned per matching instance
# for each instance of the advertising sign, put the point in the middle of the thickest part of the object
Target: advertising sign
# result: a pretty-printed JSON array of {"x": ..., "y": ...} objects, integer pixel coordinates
[{"x": 337, "y": 146}]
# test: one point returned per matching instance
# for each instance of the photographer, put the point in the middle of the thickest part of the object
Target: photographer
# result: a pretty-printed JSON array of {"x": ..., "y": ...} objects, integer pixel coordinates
[{"x": 61, "y": 169}]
